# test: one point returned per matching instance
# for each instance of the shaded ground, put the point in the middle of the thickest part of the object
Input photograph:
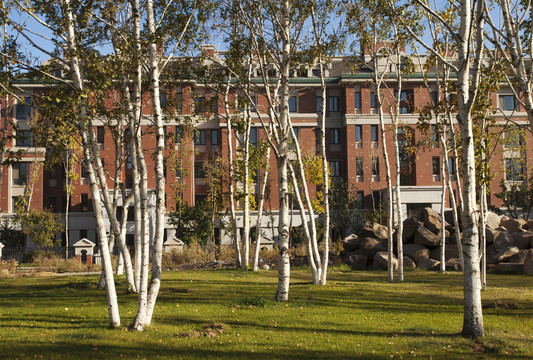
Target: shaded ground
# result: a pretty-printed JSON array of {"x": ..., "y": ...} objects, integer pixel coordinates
[{"x": 229, "y": 314}]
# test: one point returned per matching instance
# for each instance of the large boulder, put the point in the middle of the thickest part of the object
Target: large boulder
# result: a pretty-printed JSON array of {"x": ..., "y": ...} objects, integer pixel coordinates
[
  {"x": 409, "y": 229},
  {"x": 429, "y": 264},
  {"x": 528, "y": 263},
  {"x": 381, "y": 260},
  {"x": 426, "y": 238},
  {"x": 356, "y": 260},
  {"x": 513, "y": 225},
  {"x": 416, "y": 252},
  {"x": 453, "y": 264},
  {"x": 491, "y": 234},
  {"x": 519, "y": 257},
  {"x": 432, "y": 220},
  {"x": 408, "y": 263},
  {"x": 450, "y": 250},
  {"x": 509, "y": 268},
  {"x": 453, "y": 238},
  {"x": 529, "y": 225},
  {"x": 374, "y": 230},
  {"x": 523, "y": 240},
  {"x": 501, "y": 255},
  {"x": 369, "y": 247},
  {"x": 493, "y": 220},
  {"x": 350, "y": 243},
  {"x": 504, "y": 241}
]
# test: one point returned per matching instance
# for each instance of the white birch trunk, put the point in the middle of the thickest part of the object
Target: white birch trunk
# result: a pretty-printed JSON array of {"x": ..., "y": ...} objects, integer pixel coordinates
[
  {"x": 264, "y": 181},
  {"x": 142, "y": 252},
  {"x": 325, "y": 170},
  {"x": 377, "y": 80},
  {"x": 114, "y": 317},
  {"x": 282, "y": 292},
  {"x": 466, "y": 90},
  {"x": 231, "y": 176},
  {"x": 442, "y": 203}
]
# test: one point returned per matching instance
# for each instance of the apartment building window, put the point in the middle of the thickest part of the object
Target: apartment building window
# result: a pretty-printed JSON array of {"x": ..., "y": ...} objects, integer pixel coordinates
[
  {"x": 375, "y": 169},
  {"x": 512, "y": 138},
  {"x": 293, "y": 104},
  {"x": 405, "y": 102},
  {"x": 199, "y": 138},
  {"x": 162, "y": 99},
  {"x": 20, "y": 172},
  {"x": 52, "y": 203},
  {"x": 334, "y": 103},
  {"x": 100, "y": 136},
  {"x": 302, "y": 72},
  {"x": 199, "y": 170},
  {"x": 357, "y": 100},
  {"x": 374, "y": 135},
  {"x": 359, "y": 169},
  {"x": 24, "y": 138},
  {"x": 318, "y": 138},
  {"x": 334, "y": 136},
  {"x": 179, "y": 102},
  {"x": 451, "y": 167},
  {"x": 213, "y": 102},
  {"x": 200, "y": 199},
  {"x": 84, "y": 202},
  {"x": 373, "y": 100},
  {"x": 52, "y": 173},
  {"x": 360, "y": 202},
  {"x": 131, "y": 213},
  {"x": 292, "y": 143},
  {"x": 23, "y": 108},
  {"x": 335, "y": 168},
  {"x": 315, "y": 72},
  {"x": 514, "y": 169},
  {"x": 507, "y": 102},
  {"x": 434, "y": 136},
  {"x": 435, "y": 164},
  {"x": 358, "y": 136},
  {"x": 433, "y": 97},
  {"x": 239, "y": 136},
  {"x": 177, "y": 135},
  {"x": 253, "y": 105},
  {"x": 129, "y": 181},
  {"x": 318, "y": 104},
  {"x": 376, "y": 196},
  {"x": 254, "y": 140},
  {"x": 129, "y": 164},
  {"x": 84, "y": 173},
  {"x": 199, "y": 104},
  {"x": 214, "y": 137},
  {"x": 119, "y": 214},
  {"x": 14, "y": 201}
]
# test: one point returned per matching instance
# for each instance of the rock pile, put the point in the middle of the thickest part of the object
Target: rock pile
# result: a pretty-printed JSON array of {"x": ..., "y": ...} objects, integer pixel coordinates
[{"x": 509, "y": 244}]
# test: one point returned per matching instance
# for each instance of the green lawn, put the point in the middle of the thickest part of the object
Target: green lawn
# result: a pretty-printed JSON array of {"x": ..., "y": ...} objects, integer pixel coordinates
[{"x": 228, "y": 314}]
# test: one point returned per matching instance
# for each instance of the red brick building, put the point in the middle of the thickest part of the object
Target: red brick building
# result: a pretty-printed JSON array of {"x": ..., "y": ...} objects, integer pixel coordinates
[{"x": 352, "y": 139}]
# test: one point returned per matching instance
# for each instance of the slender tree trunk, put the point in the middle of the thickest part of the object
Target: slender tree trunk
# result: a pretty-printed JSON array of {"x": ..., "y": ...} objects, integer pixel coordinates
[
  {"x": 231, "y": 176},
  {"x": 282, "y": 292},
  {"x": 139, "y": 321},
  {"x": 473, "y": 318},
  {"x": 264, "y": 182},
  {"x": 443, "y": 221},
  {"x": 157, "y": 244},
  {"x": 114, "y": 317}
]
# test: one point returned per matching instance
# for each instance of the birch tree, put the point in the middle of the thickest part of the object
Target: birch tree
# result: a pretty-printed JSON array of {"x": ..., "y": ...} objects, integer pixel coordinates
[{"x": 468, "y": 36}]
